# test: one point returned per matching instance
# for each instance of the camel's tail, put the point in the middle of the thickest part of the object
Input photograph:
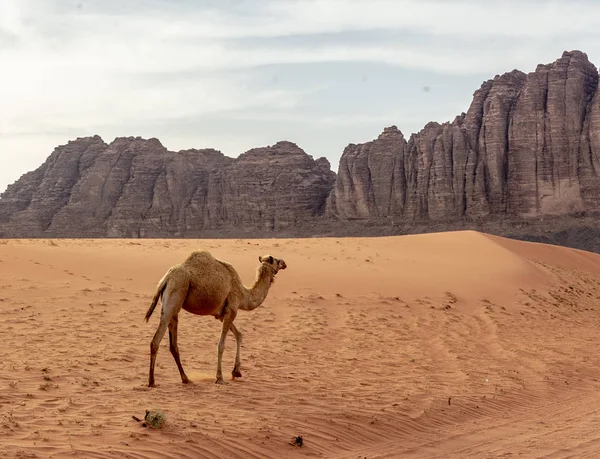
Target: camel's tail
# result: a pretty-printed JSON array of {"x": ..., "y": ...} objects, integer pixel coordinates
[{"x": 159, "y": 291}]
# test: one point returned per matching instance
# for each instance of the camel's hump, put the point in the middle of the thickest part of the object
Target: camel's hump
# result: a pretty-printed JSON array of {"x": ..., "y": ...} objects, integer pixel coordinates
[{"x": 200, "y": 255}]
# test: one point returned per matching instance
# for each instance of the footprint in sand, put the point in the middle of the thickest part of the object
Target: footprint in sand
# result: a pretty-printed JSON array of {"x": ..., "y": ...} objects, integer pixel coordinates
[{"x": 197, "y": 376}]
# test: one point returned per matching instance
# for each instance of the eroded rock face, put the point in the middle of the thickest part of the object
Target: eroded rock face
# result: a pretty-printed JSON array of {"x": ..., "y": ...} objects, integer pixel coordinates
[
  {"x": 546, "y": 137},
  {"x": 136, "y": 188},
  {"x": 270, "y": 188},
  {"x": 28, "y": 206},
  {"x": 370, "y": 181},
  {"x": 528, "y": 145},
  {"x": 589, "y": 161}
]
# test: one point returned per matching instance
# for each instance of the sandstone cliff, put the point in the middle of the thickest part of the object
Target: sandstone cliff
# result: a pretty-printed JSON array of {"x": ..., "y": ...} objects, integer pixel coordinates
[
  {"x": 136, "y": 188},
  {"x": 527, "y": 148},
  {"x": 528, "y": 145}
]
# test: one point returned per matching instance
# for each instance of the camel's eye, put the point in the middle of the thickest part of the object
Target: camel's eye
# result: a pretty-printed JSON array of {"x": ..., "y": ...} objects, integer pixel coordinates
[{"x": 271, "y": 260}]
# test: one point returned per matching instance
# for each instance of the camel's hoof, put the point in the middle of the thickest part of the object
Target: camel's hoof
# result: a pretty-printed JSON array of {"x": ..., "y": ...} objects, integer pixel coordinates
[
  {"x": 236, "y": 373},
  {"x": 152, "y": 384},
  {"x": 186, "y": 381},
  {"x": 221, "y": 381}
]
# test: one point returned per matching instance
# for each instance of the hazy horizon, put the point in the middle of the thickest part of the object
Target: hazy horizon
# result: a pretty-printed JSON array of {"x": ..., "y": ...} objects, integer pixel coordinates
[{"x": 237, "y": 74}]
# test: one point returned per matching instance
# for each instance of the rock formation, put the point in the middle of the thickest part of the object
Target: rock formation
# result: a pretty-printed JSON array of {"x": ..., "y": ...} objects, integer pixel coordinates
[
  {"x": 528, "y": 147},
  {"x": 136, "y": 188}
]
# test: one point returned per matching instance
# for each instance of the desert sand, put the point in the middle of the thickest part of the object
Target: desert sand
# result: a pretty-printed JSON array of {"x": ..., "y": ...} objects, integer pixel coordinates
[{"x": 454, "y": 345}]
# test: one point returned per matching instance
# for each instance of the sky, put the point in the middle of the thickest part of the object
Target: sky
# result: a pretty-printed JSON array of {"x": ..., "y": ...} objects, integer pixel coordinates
[{"x": 238, "y": 74}]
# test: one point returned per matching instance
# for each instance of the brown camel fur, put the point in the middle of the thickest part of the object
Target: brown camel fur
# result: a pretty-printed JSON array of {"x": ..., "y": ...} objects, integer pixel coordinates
[{"x": 206, "y": 286}]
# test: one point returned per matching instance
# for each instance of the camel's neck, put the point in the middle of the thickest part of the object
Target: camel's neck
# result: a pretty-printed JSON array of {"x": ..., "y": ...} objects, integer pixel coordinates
[{"x": 259, "y": 290}]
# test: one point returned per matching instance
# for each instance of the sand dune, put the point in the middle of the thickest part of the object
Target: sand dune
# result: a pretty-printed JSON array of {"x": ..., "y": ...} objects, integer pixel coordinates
[{"x": 428, "y": 346}]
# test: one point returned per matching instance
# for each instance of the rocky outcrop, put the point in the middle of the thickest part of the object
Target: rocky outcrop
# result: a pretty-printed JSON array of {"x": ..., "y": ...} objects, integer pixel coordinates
[
  {"x": 28, "y": 206},
  {"x": 371, "y": 179},
  {"x": 136, "y": 188},
  {"x": 528, "y": 145}
]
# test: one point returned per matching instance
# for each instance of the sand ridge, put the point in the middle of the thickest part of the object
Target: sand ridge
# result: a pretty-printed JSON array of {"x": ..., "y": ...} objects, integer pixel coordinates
[{"x": 442, "y": 345}]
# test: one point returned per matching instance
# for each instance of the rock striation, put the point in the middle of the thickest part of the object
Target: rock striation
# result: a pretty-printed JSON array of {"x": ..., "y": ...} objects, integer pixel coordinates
[
  {"x": 137, "y": 188},
  {"x": 528, "y": 147}
]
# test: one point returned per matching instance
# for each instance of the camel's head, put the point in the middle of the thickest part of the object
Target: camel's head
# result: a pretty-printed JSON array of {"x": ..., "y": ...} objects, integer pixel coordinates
[{"x": 274, "y": 263}]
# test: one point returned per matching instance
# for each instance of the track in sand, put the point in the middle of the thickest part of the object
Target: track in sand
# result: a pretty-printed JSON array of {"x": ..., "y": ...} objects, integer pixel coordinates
[{"x": 454, "y": 345}]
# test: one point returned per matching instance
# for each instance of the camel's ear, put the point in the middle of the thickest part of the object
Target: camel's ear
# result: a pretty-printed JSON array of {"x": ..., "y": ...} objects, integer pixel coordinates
[
  {"x": 260, "y": 258},
  {"x": 270, "y": 259}
]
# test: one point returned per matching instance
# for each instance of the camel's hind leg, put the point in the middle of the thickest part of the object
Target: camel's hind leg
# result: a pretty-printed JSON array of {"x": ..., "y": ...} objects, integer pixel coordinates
[
  {"x": 158, "y": 336},
  {"x": 236, "y": 373},
  {"x": 172, "y": 301},
  {"x": 175, "y": 349}
]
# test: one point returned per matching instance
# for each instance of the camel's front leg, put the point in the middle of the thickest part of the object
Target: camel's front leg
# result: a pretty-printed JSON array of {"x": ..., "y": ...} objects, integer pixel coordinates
[
  {"x": 227, "y": 323},
  {"x": 236, "y": 373}
]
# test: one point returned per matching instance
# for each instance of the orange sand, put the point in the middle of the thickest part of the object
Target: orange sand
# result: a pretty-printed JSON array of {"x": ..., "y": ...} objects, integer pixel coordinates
[{"x": 455, "y": 345}]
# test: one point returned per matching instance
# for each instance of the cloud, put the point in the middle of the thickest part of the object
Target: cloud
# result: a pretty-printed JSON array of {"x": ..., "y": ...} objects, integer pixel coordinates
[
  {"x": 321, "y": 71},
  {"x": 539, "y": 19},
  {"x": 183, "y": 34},
  {"x": 277, "y": 18}
]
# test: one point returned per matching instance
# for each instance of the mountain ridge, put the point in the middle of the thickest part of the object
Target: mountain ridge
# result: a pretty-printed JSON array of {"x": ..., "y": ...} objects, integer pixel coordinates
[{"x": 528, "y": 147}]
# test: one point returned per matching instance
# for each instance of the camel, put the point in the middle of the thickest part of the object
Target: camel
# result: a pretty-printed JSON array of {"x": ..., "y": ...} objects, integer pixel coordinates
[{"x": 206, "y": 286}]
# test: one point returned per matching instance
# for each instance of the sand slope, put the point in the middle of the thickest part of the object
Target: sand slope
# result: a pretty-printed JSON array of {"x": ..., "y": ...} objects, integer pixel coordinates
[{"x": 444, "y": 345}]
